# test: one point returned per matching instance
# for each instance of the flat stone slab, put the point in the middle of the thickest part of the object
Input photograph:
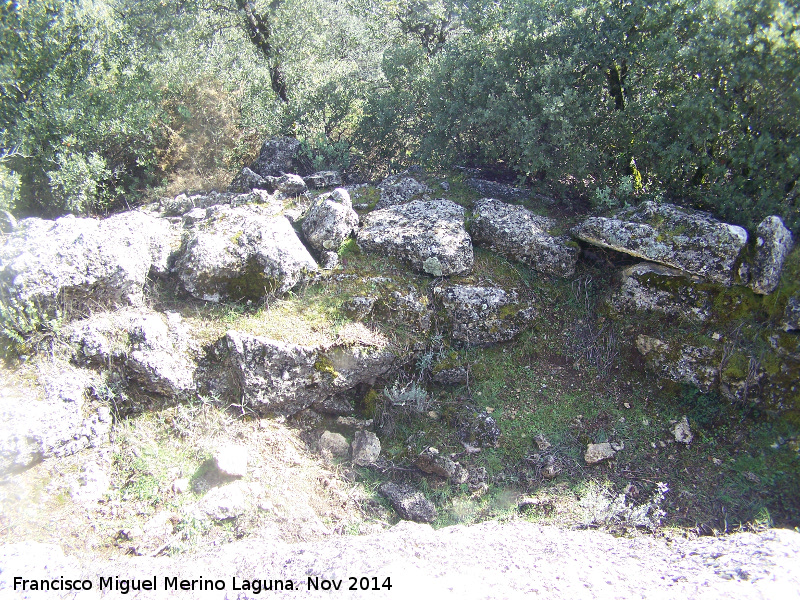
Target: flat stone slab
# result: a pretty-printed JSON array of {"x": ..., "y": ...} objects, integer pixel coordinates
[
  {"x": 429, "y": 235},
  {"x": 688, "y": 240}
]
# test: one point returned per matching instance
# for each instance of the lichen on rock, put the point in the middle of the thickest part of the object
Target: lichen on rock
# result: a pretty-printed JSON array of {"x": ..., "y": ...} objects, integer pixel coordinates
[
  {"x": 277, "y": 378},
  {"x": 399, "y": 189},
  {"x": 330, "y": 220},
  {"x": 649, "y": 287},
  {"x": 241, "y": 253},
  {"x": 481, "y": 316},
  {"x": 684, "y": 239},
  {"x": 421, "y": 233},
  {"x": 519, "y": 234},
  {"x": 83, "y": 262},
  {"x": 773, "y": 244}
]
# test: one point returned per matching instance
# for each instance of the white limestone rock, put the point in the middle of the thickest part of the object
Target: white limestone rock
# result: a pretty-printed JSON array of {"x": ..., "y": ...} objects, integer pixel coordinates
[
  {"x": 773, "y": 245},
  {"x": 430, "y": 236},
  {"x": 330, "y": 220},
  {"x": 596, "y": 453},
  {"x": 517, "y": 233},
  {"x": 242, "y": 253}
]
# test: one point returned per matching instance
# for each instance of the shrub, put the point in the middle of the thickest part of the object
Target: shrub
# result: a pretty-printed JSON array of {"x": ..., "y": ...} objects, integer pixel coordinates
[
  {"x": 602, "y": 507},
  {"x": 76, "y": 183},
  {"x": 399, "y": 404}
]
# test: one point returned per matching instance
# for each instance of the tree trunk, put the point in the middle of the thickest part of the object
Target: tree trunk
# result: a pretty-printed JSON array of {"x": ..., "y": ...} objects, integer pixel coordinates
[{"x": 258, "y": 30}]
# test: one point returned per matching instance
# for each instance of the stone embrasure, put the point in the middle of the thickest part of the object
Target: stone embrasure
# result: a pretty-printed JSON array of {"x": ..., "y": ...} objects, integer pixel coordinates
[
  {"x": 517, "y": 233},
  {"x": 430, "y": 236},
  {"x": 656, "y": 288},
  {"x": 688, "y": 240},
  {"x": 241, "y": 253}
]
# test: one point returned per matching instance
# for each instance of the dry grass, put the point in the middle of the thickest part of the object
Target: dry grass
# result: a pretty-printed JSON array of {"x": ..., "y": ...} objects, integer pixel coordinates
[
  {"x": 200, "y": 180},
  {"x": 290, "y": 320},
  {"x": 292, "y": 493}
]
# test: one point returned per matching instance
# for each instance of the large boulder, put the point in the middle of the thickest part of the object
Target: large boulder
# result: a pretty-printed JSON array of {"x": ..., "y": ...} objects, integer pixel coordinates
[
  {"x": 684, "y": 239},
  {"x": 481, "y": 316},
  {"x": 330, "y": 220},
  {"x": 241, "y": 253},
  {"x": 399, "y": 189},
  {"x": 280, "y": 378},
  {"x": 430, "y": 236},
  {"x": 650, "y": 287},
  {"x": 149, "y": 350},
  {"x": 57, "y": 425},
  {"x": 247, "y": 180},
  {"x": 279, "y": 156},
  {"x": 773, "y": 244},
  {"x": 83, "y": 263},
  {"x": 517, "y": 233}
]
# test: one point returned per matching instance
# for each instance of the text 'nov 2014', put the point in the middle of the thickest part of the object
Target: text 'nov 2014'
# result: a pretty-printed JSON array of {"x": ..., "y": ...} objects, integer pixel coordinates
[{"x": 202, "y": 584}]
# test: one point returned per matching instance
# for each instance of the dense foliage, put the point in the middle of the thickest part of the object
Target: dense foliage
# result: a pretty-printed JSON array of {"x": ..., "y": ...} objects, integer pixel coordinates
[{"x": 696, "y": 101}]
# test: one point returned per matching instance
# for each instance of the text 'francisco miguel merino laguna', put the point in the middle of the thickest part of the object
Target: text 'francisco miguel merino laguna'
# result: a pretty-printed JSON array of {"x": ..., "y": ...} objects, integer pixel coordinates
[{"x": 174, "y": 584}]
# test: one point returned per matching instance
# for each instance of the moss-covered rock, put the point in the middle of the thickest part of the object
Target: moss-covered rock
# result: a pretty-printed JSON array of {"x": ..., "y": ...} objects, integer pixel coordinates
[
  {"x": 241, "y": 253},
  {"x": 683, "y": 239},
  {"x": 655, "y": 288},
  {"x": 684, "y": 363}
]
